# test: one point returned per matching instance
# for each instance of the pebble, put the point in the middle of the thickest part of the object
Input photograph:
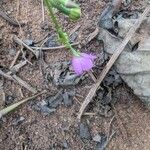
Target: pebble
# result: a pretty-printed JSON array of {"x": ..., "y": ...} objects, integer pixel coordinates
[
  {"x": 29, "y": 42},
  {"x": 65, "y": 145},
  {"x": 12, "y": 51},
  {"x": 43, "y": 108},
  {"x": 51, "y": 42},
  {"x": 67, "y": 100},
  {"x": 18, "y": 121},
  {"x": 9, "y": 99},
  {"x": 84, "y": 131},
  {"x": 101, "y": 144},
  {"x": 45, "y": 26},
  {"x": 97, "y": 138}
]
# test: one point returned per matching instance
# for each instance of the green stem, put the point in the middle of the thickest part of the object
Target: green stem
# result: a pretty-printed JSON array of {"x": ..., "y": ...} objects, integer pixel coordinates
[
  {"x": 49, "y": 6},
  {"x": 59, "y": 30}
]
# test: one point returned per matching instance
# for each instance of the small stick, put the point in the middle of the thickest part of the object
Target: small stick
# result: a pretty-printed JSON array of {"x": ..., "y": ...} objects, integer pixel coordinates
[
  {"x": 53, "y": 48},
  {"x": 89, "y": 114},
  {"x": 16, "y": 68},
  {"x": 8, "y": 76},
  {"x": 112, "y": 60},
  {"x": 24, "y": 84},
  {"x": 20, "y": 42},
  {"x": 7, "y": 18},
  {"x": 42, "y": 3},
  {"x": 15, "y": 78},
  {"x": 14, "y": 106},
  {"x": 92, "y": 76},
  {"x": 92, "y": 36},
  {"x": 75, "y": 29},
  {"x": 15, "y": 59}
]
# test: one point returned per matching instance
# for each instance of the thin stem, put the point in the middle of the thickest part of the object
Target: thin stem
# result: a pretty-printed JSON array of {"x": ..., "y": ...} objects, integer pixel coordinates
[
  {"x": 49, "y": 6},
  {"x": 59, "y": 30}
]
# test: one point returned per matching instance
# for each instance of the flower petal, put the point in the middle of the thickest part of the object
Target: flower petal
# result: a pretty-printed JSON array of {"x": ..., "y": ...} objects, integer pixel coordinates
[
  {"x": 83, "y": 63},
  {"x": 90, "y": 56},
  {"x": 76, "y": 64},
  {"x": 87, "y": 64}
]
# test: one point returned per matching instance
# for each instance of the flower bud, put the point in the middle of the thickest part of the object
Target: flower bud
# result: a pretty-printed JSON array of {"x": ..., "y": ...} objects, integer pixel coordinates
[
  {"x": 69, "y": 3},
  {"x": 74, "y": 13}
]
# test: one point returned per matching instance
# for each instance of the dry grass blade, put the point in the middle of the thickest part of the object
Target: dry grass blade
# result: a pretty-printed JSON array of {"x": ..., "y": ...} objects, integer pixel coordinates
[
  {"x": 14, "y": 106},
  {"x": 112, "y": 60}
]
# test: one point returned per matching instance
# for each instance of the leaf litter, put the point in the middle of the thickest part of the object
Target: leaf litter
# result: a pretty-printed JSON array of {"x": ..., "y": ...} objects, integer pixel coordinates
[{"x": 62, "y": 76}]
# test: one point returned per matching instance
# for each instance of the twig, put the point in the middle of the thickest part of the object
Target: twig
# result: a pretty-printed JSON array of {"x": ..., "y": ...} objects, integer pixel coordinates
[
  {"x": 16, "y": 68},
  {"x": 112, "y": 60},
  {"x": 15, "y": 59},
  {"x": 6, "y": 75},
  {"x": 53, "y": 48},
  {"x": 89, "y": 114},
  {"x": 110, "y": 134},
  {"x": 92, "y": 36},
  {"x": 24, "y": 84},
  {"x": 20, "y": 42},
  {"x": 42, "y": 3},
  {"x": 110, "y": 124},
  {"x": 14, "y": 106},
  {"x": 75, "y": 29},
  {"x": 109, "y": 139},
  {"x": 15, "y": 78},
  {"x": 92, "y": 76},
  {"x": 43, "y": 38},
  {"x": 7, "y": 18}
]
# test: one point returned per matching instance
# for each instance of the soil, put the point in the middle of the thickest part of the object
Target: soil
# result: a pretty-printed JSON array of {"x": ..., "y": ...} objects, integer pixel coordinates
[{"x": 39, "y": 132}]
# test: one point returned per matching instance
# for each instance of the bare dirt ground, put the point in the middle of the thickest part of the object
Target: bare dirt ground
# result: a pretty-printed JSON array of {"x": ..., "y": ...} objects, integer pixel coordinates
[{"x": 38, "y": 132}]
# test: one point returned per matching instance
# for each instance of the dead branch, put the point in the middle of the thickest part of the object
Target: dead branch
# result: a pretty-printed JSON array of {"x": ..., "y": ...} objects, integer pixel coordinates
[{"x": 112, "y": 60}]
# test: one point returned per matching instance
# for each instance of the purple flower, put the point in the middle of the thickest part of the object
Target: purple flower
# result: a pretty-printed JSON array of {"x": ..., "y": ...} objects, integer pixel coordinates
[{"x": 82, "y": 63}]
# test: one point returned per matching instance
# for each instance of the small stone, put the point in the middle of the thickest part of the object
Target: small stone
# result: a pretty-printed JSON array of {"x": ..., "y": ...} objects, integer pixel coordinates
[
  {"x": 106, "y": 21},
  {"x": 84, "y": 131},
  {"x": 55, "y": 101},
  {"x": 51, "y": 42},
  {"x": 43, "y": 108},
  {"x": 29, "y": 42},
  {"x": 126, "y": 2},
  {"x": 101, "y": 144},
  {"x": 45, "y": 26},
  {"x": 12, "y": 52},
  {"x": 65, "y": 145},
  {"x": 97, "y": 138},
  {"x": 9, "y": 99},
  {"x": 18, "y": 121},
  {"x": 67, "y": 100}
]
